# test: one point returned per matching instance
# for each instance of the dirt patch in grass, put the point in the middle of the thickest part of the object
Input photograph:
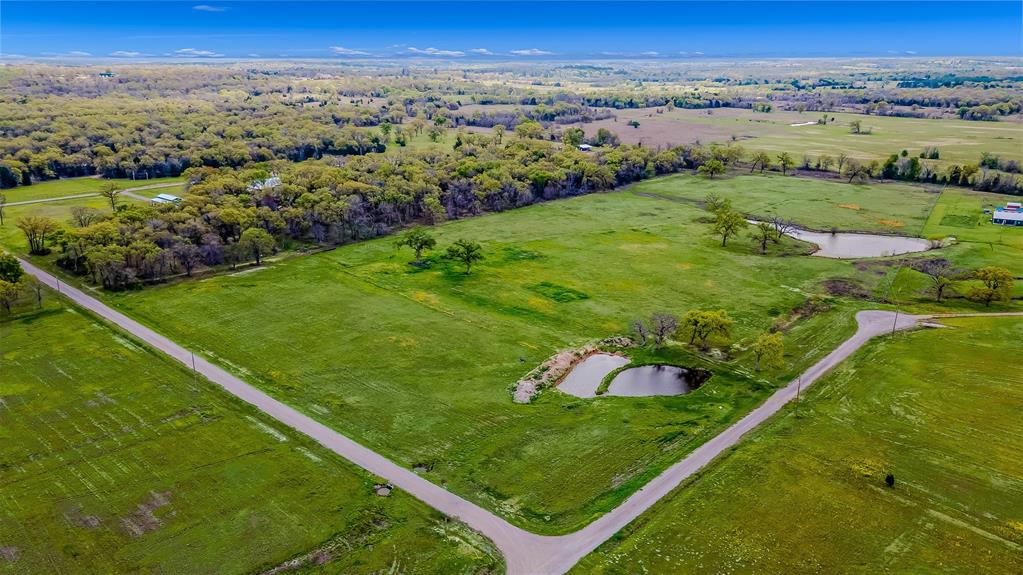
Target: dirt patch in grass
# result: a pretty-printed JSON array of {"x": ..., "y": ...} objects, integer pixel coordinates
[
  {"x": 892, "y": 223},
  {"x": 75, "y": 516},
  {"x": 10, "y": 554},
  {"x": 881, "y": 267},
  {"x": 143, "y": 520},
  {"x": 846, "y": 287},
  {"x": 554, "y": 368}
]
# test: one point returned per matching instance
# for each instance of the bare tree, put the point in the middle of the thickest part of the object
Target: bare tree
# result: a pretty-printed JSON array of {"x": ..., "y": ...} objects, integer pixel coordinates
[
  {"x": 941, "y": 273},
  {"x": 663, "y": 325},
  {"x": 782, "y": 227},
  {"x": 641, "y": 330},
  {"x": 110, "y": 191}
]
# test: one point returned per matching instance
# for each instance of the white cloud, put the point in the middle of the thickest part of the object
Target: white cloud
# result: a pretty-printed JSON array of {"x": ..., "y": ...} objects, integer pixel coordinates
[
  {"x": 436, "y": 52},
  {"x": 482, "y": 51},
  {"x": 78, "y": 53},
  {"x": 192, "y": 52},
  {"x": 253, "y": 55},
  {"x": 532, "y": 52},
  {"x": 651, "y": 53},
  {"x": 127, "y": 54},
  {"x": 208, "y": 8},
  {"x": 342, "y": 51},
  {"x": 911, "y": 52}
]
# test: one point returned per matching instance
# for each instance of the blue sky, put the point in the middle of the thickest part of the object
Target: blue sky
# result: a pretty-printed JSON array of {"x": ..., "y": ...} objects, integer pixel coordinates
[{"x": 209, "y": 29}]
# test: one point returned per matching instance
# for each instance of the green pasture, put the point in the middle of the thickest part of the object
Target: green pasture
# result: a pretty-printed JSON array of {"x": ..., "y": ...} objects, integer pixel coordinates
[
  {"x": 939, "y": 409},
  {"x": 114, "y": 459},
  {"x": 73, "y": 186},
  {"x": 418, "y": 363},
  {"x": 12, "y": 238},
  {"x": 811, "y": 203},
  {"x": 958, "y": 141}
]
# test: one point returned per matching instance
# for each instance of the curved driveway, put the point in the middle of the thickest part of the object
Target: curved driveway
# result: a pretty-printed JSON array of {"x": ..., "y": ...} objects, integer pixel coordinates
[{"x": 525, "y": 553}]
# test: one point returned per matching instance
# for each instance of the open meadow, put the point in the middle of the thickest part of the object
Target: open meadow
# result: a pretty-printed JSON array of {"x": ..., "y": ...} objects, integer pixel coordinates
[
  {"x": 511, "y": 288},
  {"x": 958, "y": 141},
  {"x": 118, "y": 460},
  {"x": 806, "y": 492},
  {"x": 77, "y": 186},
  {"x": 308, "y": 330}
]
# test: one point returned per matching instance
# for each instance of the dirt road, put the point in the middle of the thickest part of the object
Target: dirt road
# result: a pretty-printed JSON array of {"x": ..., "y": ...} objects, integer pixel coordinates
[{"x": 525, "y": 553}]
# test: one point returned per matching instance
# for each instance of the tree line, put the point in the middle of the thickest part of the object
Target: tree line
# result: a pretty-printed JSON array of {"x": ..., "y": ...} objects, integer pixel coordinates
[{"x": 231, "y": 216}]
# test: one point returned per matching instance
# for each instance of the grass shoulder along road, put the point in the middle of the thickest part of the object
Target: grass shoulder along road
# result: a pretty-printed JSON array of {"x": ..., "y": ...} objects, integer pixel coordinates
[
  {"x": 114, "y": 458},
  {"x": 807, "y": 493}
]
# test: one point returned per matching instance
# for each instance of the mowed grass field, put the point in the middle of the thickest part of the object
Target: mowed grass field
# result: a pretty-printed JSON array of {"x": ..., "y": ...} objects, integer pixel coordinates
[
  {"x": 418, "y": 363},
  {"x": 939, "y": 409},
  {"x": 811, "y": 203},
  {"x": 113, "y": 459},
  {"x": 74, "y": 186},
  {"x": 959, "y": 213},
  {"x": 958, "y": 141},
  {"x": 13, "y": 239}
]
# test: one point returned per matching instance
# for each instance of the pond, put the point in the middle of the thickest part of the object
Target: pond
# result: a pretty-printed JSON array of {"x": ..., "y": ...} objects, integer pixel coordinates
[
  {"x": 647, "y": 380},
  {"x": 852, "y": 245},
  {"x": 585, "y": 377}
]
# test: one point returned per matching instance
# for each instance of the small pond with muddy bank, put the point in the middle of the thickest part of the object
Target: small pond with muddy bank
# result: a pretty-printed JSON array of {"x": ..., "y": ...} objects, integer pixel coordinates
[
  {"x": 842, "y": 245},
  {"x": 646, "y": 380}
]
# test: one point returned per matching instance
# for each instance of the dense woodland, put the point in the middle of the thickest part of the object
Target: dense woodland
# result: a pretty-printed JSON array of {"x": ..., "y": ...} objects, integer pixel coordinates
[
  {"x": 226, "y": 219},
  {"x": 63, "y": 121},
  {"x": 336, "y": 149}
]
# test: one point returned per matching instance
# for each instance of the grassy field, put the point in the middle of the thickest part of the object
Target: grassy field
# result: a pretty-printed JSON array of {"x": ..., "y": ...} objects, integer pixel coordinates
[
  {"x": 958, "y": 141},
  {"x": 959, "y": 213},
  {"x": 812, "y": 203},
  {"x": 74, "y": 186},
  {"x": 12, "y": 239},
  {"x": 417, "y": 363},
  {"x": 453, "y": 345},
  {"x": 113, "y": 459},
  {"x": 806, "y": 493}
]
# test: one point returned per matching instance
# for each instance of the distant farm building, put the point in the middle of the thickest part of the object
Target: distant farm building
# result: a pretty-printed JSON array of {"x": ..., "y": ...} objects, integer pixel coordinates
[
  {"x": 267, "y": 184},
  {"x": 166, "y": 199},
  {"x": 1010, "y": 215},
  {"x": 585, "y": 147},
  {"x": 107, "y": 74}
]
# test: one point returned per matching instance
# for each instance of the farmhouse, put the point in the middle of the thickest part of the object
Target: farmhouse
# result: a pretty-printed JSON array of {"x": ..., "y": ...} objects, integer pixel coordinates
[
  {"x": 1007, "y": 217},
  {"x": 166, "y": 199},
  {"x": 585, "y": 147},
  {"x": 269, "y": 183}
]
